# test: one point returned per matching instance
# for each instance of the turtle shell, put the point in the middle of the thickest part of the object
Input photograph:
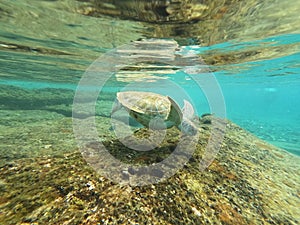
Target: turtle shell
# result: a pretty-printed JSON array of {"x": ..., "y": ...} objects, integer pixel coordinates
[{"x": 144, "y": 106}]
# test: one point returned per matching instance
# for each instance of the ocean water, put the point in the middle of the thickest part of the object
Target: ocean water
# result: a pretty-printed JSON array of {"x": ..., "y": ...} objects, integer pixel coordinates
[
  {"x": 251, "y": 49},
  {"x": 257, "y": 71}
]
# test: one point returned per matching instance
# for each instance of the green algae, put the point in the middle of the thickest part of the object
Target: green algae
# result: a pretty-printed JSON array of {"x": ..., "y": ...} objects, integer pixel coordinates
[{"x": 249, "y": 182}]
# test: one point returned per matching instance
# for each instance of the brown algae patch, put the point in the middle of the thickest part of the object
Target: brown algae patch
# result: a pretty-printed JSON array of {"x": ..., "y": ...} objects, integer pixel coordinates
[{"x": 246, "y": 184}]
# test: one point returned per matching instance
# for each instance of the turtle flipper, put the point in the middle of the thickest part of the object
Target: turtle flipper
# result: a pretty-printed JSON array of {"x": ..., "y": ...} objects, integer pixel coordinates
[
  {"x": 187, "y": 126},
  {"x": 188, "y": 110},
  {"x": 117, "y": 106}
]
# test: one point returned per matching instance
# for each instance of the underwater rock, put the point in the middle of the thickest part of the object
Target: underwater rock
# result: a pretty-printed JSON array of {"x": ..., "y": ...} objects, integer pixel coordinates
[
  {"x": 151, "y": 11},
  {"x": 249, "y": 182},
  {"x": 189, "y": 21}
]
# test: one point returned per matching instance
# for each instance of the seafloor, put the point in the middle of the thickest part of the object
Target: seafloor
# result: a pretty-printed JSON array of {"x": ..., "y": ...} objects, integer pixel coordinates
[{"x": 45, "y": 180}]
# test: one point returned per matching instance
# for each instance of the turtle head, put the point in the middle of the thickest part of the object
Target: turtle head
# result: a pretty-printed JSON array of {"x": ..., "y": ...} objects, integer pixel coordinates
[{"x": 188, "y": 127}]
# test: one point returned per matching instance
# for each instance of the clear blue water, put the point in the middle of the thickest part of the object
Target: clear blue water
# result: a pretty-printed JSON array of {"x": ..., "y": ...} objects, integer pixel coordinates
[
  {"x": 261, "y": 96},
  {"x": 264, "y": 96}
]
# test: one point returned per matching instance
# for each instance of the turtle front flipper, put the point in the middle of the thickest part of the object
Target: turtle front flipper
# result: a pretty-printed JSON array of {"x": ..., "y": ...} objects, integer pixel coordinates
[
  {"x": 187, "y": 126},
  {"x": 188, "y": 110},
  {"x": 117, "y": 106}
]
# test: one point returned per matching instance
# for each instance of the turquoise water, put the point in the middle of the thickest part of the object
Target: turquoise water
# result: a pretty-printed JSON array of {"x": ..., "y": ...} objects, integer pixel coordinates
[{"x": 261, "y": 96}]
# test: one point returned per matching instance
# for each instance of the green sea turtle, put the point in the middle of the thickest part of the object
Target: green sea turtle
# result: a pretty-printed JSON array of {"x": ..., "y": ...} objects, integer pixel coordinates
[{"x": 157, "y": 111}]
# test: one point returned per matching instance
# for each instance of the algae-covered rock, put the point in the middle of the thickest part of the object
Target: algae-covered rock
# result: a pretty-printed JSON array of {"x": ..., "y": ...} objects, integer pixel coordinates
[
  {"x": 249, "y": 182},
  {"x": 151, "y": 11},
  {"x": 189, "y": 21}
]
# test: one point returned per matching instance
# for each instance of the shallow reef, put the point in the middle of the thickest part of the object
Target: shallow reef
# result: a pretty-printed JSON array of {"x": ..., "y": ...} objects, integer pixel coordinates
[{"x": 249, "y": 182}]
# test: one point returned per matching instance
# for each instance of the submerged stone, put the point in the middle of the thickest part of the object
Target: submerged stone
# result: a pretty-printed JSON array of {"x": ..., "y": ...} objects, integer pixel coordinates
[{"x": 249, "y": 182}]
